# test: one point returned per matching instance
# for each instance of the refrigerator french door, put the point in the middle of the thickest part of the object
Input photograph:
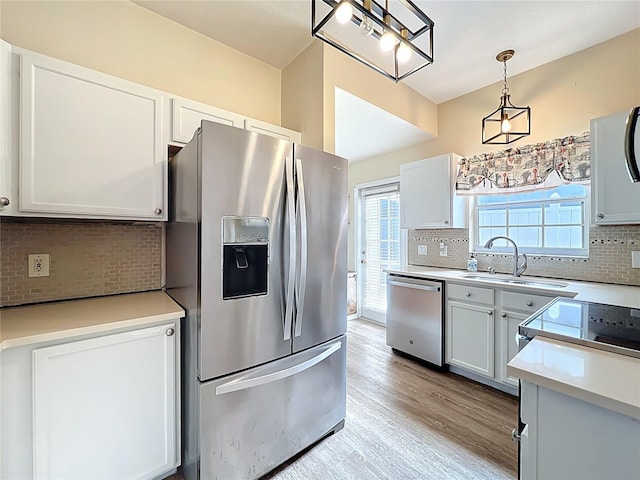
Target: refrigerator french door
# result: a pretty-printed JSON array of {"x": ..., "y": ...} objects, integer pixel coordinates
[{"x": 256, "y": 254}]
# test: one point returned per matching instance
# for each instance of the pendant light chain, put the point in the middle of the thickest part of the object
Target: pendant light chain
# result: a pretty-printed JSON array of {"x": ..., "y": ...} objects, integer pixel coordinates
[{"x": 505, "y": 89}]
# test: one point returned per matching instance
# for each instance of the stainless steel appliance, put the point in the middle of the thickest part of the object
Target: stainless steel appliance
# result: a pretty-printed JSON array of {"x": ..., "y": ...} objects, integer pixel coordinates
[
  {"x": 605, "y": 327},
  {"x": 415, "y": 321},
  {"x": 631, "y": 141},
  {"x": 256, "y": 254}
]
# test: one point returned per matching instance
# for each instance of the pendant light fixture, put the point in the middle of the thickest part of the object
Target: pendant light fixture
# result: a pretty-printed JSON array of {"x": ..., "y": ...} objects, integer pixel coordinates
[
  {"x": 508, "y": 123},
  {"x": 402, "y": 32}
]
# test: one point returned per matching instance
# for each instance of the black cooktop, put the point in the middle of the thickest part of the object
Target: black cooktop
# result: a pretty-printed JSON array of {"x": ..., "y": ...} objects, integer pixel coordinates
[{"x": 607, "y": 327}]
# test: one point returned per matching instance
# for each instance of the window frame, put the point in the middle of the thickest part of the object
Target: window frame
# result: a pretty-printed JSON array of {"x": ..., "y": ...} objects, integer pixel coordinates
[{"x": 474, "y": 226}]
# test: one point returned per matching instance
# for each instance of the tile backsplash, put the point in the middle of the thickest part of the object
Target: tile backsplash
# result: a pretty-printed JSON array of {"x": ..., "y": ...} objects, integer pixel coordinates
[
  {"x": 86, "y": 259},
  {"x": 609, "y": 259}
]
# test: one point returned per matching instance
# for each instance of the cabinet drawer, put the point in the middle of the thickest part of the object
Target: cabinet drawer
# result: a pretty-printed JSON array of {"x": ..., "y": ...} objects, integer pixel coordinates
[
  {"x": 470, "y": 294},
  {"x": 524, "y": 302}
]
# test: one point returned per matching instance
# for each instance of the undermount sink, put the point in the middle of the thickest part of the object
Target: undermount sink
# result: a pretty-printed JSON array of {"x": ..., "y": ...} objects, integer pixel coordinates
[{"x": 515, "y": 280}]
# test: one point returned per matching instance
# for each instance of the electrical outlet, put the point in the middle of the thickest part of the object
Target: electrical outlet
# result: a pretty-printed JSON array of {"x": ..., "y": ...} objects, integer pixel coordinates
[
  {"x": 39, "y": 265},
  {"x": 443, "y": 249},
  {"x": 635, "y": 259},
  {"x": 422, "y": 249}
]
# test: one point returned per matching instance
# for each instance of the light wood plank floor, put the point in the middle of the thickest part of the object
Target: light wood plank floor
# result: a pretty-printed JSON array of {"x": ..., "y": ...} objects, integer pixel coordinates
[{"x": 405, "y": 421}]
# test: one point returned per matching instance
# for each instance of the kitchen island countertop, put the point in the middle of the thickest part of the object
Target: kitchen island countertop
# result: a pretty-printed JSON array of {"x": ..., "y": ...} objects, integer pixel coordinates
[
  {"x": 606, "y": 379},
  {"x": 29, "y": 324}
]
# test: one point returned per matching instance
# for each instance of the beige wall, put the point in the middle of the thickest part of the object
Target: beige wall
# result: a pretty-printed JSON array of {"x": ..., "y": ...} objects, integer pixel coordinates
[
  {"x": 563, "y": 95},
  {"x": 361, "y": 81},
  {"x": 123, "y": 39},
  {"x": 302, "y": 102}
]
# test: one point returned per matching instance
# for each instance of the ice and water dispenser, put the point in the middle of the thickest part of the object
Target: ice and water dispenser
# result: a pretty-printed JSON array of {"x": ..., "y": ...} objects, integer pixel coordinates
[{"x": 245, "y": 259}]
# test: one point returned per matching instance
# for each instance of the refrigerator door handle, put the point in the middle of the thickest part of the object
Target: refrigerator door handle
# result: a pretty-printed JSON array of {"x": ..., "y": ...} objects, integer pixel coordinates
[
  {"x": 291, "y": 211},
  {"x": 245, "y": 383},
  {"x": 633, "y": 163},
  {"x": 303, "y": 248}
]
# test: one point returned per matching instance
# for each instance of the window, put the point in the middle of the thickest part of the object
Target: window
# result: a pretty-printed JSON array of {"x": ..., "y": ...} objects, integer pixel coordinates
[{"x": 544, "y": 222}]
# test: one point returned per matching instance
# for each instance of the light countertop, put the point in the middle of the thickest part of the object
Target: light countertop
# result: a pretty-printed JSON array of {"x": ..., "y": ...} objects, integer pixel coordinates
[
  {"x": 623, "y": 295},
  {"x": 606, "y": 379},
  {"x": 67, "y": 319}
]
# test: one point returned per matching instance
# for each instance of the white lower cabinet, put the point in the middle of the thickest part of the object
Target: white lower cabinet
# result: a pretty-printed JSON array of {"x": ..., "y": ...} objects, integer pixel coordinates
[
  {"x": 481, "y": 328},
  {"x": 508, "y": 331},
  {"x": 567, "y": 438},
  {"x": 104, "y": 407},
  {"x": 470, "y": 337}
]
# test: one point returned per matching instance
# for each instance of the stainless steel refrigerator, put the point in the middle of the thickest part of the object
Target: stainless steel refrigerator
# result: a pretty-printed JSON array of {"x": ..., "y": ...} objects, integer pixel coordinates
[{"x": 256, "y": 254}]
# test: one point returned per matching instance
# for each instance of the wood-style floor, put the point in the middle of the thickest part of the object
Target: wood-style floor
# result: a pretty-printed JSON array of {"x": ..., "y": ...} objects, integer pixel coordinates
[{"x": 406, "y": 421}]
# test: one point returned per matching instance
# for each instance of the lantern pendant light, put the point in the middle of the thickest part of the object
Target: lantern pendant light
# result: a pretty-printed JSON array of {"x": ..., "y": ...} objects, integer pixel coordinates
[{"x": 507, "y": 123}]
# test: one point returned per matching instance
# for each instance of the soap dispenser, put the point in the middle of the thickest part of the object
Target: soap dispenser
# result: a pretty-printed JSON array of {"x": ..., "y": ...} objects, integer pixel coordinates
[{"x": 472, "y": 264}]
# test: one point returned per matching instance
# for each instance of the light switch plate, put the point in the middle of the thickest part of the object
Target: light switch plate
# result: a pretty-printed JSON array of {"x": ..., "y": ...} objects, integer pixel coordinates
[
  {"x": 422, "y": 250},
  {"x": 443, "y": 249},
  {"x": 635, "y": 259}
]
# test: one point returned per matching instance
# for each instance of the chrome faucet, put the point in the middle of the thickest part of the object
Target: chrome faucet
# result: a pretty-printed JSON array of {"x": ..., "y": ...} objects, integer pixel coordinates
[{"x": 517, "y": 269}]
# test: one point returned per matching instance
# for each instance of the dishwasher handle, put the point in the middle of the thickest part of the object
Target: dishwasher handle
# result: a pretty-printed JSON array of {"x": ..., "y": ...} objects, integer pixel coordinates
[{"x": 413, "y": 285}]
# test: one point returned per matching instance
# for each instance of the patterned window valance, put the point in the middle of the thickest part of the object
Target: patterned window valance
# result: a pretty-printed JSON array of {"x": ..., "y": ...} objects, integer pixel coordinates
[{"x": 542, "y": 165}]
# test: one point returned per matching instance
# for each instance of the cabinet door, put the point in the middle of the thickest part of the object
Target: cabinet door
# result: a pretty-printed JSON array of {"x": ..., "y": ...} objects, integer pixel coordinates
[
  {"x": 470, "y": 337},
  {"x": 8, "y": 131},
  {"x": 427, "y": 198},
  {"x": 509, "y": 322},
  {"x": 106, "y": 407},
  {"x": 273, "y": 130},
  {"x": 188, "y": 114},
  {"x": 91, "y": 144},
  {"x": 614, "y": 195}
]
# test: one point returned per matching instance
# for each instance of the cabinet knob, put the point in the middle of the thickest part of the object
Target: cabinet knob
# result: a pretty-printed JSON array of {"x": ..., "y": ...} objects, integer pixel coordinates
[
  {"x": 489, "y": 312},
  {"x": 467, "y": 294},
  {"x": 446, "y": 222},
  {"x": 169, "y": 332},
  {"x": 529, "y": 303},
  {"x": 158, "y": 211},
  {"x": 503, "y": 314},
  {"x": 600, "y": 216},
  {"x": 4, "y": 201}
]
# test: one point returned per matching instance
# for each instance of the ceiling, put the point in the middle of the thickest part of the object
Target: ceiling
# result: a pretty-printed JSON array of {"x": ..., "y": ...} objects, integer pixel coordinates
[{"x": 467, "y": 36}]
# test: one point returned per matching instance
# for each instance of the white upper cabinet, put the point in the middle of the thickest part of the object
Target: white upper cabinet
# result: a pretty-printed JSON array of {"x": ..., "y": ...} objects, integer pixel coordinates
[
  {"x": 8, "y": 132},
  {"x": 273, "y": 130},
  {"x": 188, "y": 114},
  {"x": 615, "y": 198},
  {"x": 427, "y": 194},
  {"x": 91, "y": 145}
]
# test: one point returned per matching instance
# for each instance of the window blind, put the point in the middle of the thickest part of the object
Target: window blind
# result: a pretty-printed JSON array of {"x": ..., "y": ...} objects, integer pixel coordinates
[{"x": 381, "y": 215}]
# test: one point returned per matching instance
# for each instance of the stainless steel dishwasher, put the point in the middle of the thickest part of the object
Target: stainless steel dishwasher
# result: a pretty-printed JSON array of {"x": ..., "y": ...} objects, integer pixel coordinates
[{"x": 415, "y": 323}]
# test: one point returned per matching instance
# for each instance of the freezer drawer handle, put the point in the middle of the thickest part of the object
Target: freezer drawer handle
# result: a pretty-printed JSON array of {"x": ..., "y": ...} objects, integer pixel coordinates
[
  {"x": 413, "y": 285},
  {"x": 235, "y": 385}
]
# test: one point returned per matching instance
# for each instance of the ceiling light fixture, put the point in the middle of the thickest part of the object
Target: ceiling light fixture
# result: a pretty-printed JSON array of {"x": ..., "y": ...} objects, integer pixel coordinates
[
  {"x": 404, "y": 35},
  {"x": 508, "y": 123}
]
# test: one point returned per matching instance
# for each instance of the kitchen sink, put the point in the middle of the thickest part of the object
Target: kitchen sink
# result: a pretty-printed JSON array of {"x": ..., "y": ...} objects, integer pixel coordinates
[{"x": 515, "y": 280}]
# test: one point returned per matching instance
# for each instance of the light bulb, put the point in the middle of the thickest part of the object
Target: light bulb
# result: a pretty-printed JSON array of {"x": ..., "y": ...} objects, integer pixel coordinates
[
  {"x": 366, "y": 26},
  {"x": 404, "y": 53},
  {"x": 344, "y": 12},
  {"x": 505, "y": 126},
  {"x": 387, "y": 41}
]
